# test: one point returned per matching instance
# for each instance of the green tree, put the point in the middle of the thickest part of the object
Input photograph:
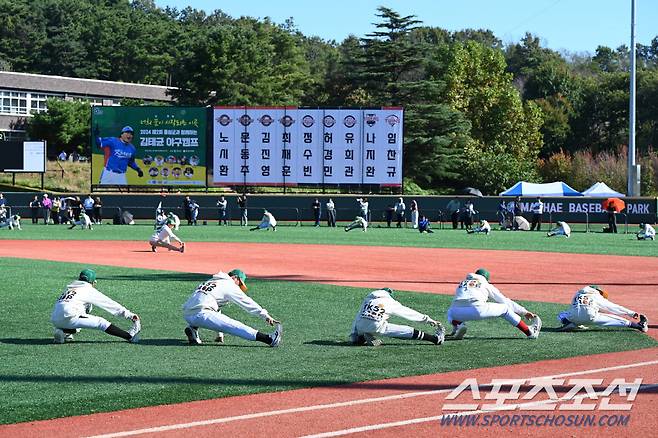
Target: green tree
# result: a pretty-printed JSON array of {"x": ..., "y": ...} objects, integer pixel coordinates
[{"x": 65, "y": 126}]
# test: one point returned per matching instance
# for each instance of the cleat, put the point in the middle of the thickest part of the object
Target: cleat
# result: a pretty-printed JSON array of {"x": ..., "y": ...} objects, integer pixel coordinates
[
  {"x": 192, "y": 336},
  {"x": 134, "y": 331},
  {"x": 460, "y": 331},
  {"x": 440, "y": 334},
  {"x": 153, "y": 248},
  {"x": 567, "y": 327},
  {"x": 535, "y": 328},
  {"x": 182, "y": 248},
  {"x": 644, "y": 324},
  {"x": 59, "y": 336},
  {"x": 276, "y": 336},
  {"x": 371, "y": 341}
]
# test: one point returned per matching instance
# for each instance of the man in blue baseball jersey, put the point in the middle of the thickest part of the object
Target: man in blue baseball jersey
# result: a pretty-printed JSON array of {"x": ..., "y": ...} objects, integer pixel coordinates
[{"x": 119, "y": 154}]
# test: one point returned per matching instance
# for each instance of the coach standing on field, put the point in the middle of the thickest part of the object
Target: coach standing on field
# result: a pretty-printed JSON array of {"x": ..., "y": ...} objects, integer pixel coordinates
[
  {"x": 537, "y": 208},
  {"x": 119, "y": 154}
]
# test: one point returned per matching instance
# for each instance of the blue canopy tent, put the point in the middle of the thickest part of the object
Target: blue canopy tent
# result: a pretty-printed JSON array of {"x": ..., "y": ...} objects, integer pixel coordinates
[{"x": 527, "y": 189}]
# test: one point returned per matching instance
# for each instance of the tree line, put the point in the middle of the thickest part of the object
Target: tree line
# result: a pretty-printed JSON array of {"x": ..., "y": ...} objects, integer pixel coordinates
[{"x": 477, "y": 112}]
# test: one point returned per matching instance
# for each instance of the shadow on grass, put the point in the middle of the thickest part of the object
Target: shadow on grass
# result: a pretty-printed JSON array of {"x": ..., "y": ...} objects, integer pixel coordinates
[
  {"x": 158, "y": 276},
  {"x": 143, "y": 342}
]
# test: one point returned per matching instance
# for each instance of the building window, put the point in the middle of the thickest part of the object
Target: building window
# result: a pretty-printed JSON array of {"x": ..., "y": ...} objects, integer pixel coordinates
[
  {"x": 38, "y": 102},
  {"x": 12, "y": 102}
]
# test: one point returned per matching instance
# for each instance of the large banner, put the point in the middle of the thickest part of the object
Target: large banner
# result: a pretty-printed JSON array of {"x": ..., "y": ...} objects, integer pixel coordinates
[
  {"x": 290, "y": 146},
  {"x": 143, "y": 146}
]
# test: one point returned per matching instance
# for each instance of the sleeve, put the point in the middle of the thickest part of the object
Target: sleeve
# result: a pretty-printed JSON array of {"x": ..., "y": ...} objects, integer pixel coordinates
[
  {"x": 612, "y": 307},
  {"x": 247, "y": 303},
  {"x": 498, "y": 297},
  {"x": 397, "y": 309},
  {"x": 109, "y": 305},
  {"x": 132, "y": 163}
]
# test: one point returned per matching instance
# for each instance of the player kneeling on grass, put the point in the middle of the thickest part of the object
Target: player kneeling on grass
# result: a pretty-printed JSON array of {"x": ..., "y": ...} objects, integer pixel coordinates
[
  {"x": 586, "y": 309},
  {"x": 562, "y": 229},
  {"x": 203, "y": 309},
  {"x": 358, "y": 222},
  {"x": 372, "y": 319},
  {"x": 647, "y": 232},
  {"x": 84, "y": 222},
  {"x": 266, "y": 222},
  {"x": 424, "y": 225},
  {"x": 484, "y": 227},
  {"x": 470, "y": 304},
  {"x": 73, "y": 307},
  {"x": 13, "y": 221},
  {"x": 162, "y": 237}
]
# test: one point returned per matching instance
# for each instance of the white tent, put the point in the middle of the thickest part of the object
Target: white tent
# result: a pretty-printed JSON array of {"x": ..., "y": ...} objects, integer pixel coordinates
[
  {"x": 523, "y": 188},
  {"x": 601, "y": 190}
]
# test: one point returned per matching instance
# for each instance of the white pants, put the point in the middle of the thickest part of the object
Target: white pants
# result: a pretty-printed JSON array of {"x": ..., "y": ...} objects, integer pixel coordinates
[
  {"x": 414, "y": 219},
  {"x": 112, "y": 178},
  {"x": 481, "y": 311},
  {"x": 384, "y": 328},
  {"x": 219, "y": 322},
  {"x": 645, "y": 236},
  {"x": 580, "y": 315},
  {"x": 81, "y": 321}
]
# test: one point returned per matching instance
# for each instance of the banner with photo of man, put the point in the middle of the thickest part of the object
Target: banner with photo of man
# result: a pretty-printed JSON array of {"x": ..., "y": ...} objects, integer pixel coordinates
[{"x": 148, "y": 146}]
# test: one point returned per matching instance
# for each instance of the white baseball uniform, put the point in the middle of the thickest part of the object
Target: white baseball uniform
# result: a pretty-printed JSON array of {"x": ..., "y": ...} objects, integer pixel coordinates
[
  {"x": 562, "y": 229},
  {"x": 163, "y": 235},
  {"x": 176, "y": 220},
  {"x": 84, "y": 222},
  {"x": 470, "y": 302},
  {"x": 358, "y": 222},
  {"x": 484, "y": 227},
  {"x": 13, "y": 221},
  {"x": 647, "y": 233},
  {"x": 70, "y": 309},
  {"x": 267, "y": 221},
  {"x": 586, "y": 308},
  {"x": 203, "y": 308},
  {"x": 375, "y": 311}
]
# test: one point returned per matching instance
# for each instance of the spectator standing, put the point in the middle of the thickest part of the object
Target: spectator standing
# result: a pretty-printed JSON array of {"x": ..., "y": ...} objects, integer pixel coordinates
[
  {"x": 502, "y": 214},
  {"x": 62, "y": 156},
  {"x": 242, "y": 203},
  {"x": 98, "y": 210},
  {"x": 35, "y": 205},
  {"x": 452, "y": 209},
  {"x": 3, "y": 201},
  {"x": 390, "y": 211},
  {"x": 47, "y": 204},
  {"x": 88, "y": 205},
  {"x": 413, "y": 207},
  {"x": 331, "y": 213},
  {"x": 186, "y": 208},
  {"x": 612, "y": 218},
  {"x": 364, "y": 208},
  {"x": 55, "y": 210},
  {"x": 315, "y": 207},
  {"x": 400, "y": 208},
  {"x": 537, "y": 208},
  {"x": 221, "y": 207},
  {"x": 194, "y": 211},
  {"x": 469, "y": 212},
  {"x": 76, "y": 207}
]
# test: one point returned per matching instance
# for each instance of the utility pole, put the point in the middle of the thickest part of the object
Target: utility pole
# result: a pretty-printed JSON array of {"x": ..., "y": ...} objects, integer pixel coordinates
[{"x": 633, "y": 184}]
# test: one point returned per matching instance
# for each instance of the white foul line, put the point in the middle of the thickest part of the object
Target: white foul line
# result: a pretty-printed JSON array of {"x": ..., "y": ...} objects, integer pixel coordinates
[{"x": 349, "y": 403}]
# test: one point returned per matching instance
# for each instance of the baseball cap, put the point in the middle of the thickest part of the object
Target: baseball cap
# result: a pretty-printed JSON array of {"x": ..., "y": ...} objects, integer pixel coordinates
[
  {"x": 388, "y": 289},
  {"x": 483, "y": 272},
  {"x": 127, "y": 129},
  {"x": 170, "y": 222},
  {"x": 87, "y": 275},
  {"x": 603, "y": 292},
  {"x": 240, "y": 275}
]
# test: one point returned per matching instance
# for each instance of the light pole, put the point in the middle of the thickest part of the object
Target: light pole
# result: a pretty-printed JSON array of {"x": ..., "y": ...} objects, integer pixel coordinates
[{"x": 633, "y": 184}]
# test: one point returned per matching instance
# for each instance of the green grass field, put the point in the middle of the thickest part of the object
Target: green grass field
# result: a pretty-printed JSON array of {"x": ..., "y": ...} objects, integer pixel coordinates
[
  {"x": 579, "y": 242},
  {"x": 40, "y": 380}
]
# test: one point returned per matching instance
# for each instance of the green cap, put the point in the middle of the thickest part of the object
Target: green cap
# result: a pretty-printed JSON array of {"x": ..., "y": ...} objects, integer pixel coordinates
[
  {"x": 87, "y": 275},
  {"x": 238, "y": 273},
  {"x": 388, "y": 289},
  {"x": 596, "y": 286},
  {"x": 483, "y": 272},
  {"x": 170, "y": 222}
]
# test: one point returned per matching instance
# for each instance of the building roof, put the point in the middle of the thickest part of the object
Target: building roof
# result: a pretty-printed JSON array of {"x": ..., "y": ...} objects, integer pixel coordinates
[{"x": 82, "y": 87}]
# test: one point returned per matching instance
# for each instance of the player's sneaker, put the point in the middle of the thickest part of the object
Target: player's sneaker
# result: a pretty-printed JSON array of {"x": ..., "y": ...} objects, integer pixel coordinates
[
  {"x": 182, "y": 247},
  {"x": 535, "y": 328},
  {"x": 134, "y": 331},
  {"x": 371, "y": 341},
  {"x": 459, "y": 332},
  {"x": 220, "y": 338},
  {"x": 153, "y": 248},
  {"x": 59, "y": 336},
  {"x": 192, "y": 336},
  {"x": 644, "y": 323},
  {"x": 567, "y": 327},
  {"x": 276, "y": 336},
  {"x": 440, "y": 334}
]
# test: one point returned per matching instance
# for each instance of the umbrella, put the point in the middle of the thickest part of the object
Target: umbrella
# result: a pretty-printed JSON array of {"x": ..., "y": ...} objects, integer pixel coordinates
[
  {"x": 473, "y": 192},
  {"x": 615, "y": 204}
]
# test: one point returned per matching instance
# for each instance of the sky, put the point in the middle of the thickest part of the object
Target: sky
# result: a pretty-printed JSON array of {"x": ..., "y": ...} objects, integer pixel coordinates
[{"x": 574, "y": 26}]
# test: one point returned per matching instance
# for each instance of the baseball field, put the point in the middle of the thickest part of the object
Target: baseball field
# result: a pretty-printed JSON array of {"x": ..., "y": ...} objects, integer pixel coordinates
[{"x": 313, "y": 280}]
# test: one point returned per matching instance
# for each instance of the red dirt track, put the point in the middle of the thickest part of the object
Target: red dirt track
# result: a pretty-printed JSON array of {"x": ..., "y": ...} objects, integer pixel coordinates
[{"x": 522, "y": 275}]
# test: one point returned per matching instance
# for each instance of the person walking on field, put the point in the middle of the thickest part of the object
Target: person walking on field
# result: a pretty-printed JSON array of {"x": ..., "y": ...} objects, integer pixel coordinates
[
  {"x": 72, "y": 311},
  {"x": 470, "y": 303},
  {"x": 204, "y": 310}
]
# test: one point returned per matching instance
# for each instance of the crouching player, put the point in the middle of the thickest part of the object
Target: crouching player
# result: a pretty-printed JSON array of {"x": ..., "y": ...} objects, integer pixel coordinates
[
  {"x": 586, "y": 309},
  {"x": 265, "y": 223},
  {"x": 72, "y": 311},
  {"x": 372, "y": 319},
  {"x": 562, "y": 229},
  {"x": 470, "y": 304},
  {"x": 11, "y": 222},
  {"x": 647, "y": 232},
  {"x": 162, "y": 237},
  {"x": 484, "y": 227},
  {"x": 358, "y": 222}
]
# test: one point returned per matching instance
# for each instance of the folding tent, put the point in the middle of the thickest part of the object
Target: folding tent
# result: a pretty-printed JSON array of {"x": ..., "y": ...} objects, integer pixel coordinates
[
  {"x": 601, "y": 190},
  {"x": 527, "y": 189}
]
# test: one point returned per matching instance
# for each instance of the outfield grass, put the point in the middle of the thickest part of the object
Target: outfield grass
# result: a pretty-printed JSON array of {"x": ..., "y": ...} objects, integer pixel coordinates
[
  {"x": 40, "y": 380},
  {"x": 579, "y": 242}
]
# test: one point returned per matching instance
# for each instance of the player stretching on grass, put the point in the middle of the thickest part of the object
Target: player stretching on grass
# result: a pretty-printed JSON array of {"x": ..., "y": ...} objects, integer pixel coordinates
[
  {"x": 204, "y": 309},
  {"x": 72, "y": 311},
  {"x": 358, "y": 222},
  {"x": 586, "y": 308},
  {"x": 162, "y": 237},
  {"x": 372, "y": 319},
  {"x": 265, "y": 223},
  {"x": 470, "y": 304}
]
